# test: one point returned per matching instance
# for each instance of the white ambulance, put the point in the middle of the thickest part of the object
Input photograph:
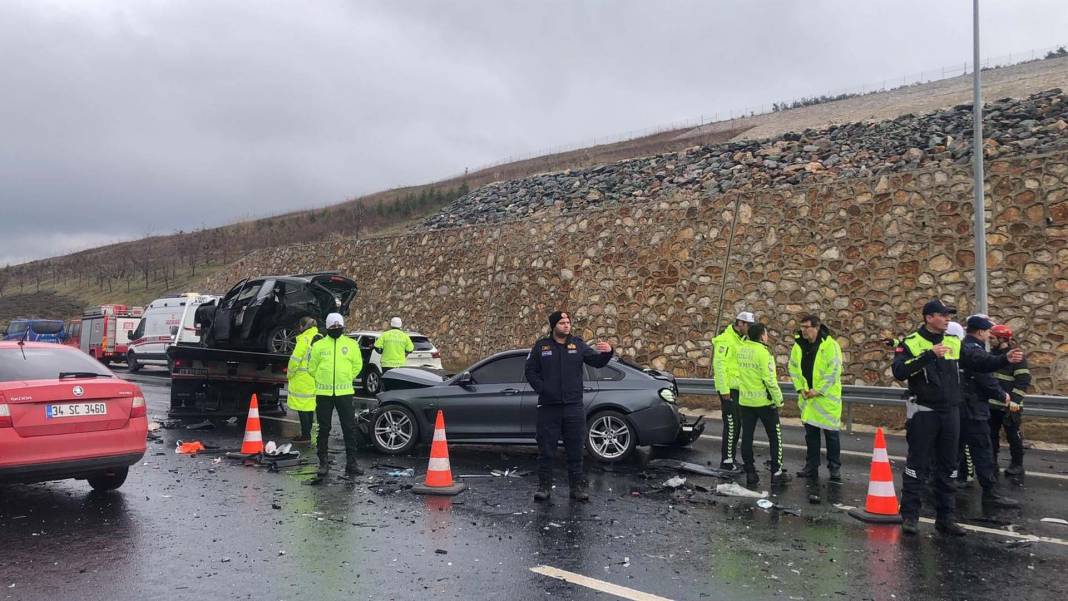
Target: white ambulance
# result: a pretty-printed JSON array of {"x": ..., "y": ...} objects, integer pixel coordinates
[{"x": 166, "y": 321}]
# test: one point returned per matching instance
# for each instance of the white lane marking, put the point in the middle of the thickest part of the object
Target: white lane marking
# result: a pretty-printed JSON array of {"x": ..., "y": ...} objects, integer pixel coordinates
[
  {"x": 985, "y": 530},
  {"x": 597, "y": 585},
  {"x": 868, "y": 456}
]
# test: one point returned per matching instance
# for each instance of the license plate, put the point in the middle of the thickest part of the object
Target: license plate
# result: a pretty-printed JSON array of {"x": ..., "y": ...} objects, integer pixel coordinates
[{"x": 76, "y": 410}]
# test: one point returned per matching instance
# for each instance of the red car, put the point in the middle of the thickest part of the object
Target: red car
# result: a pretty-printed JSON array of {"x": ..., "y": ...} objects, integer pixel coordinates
[{"x": 64, "y": 415}]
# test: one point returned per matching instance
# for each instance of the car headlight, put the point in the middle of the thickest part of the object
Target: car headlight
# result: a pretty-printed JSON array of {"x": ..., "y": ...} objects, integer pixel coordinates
[{"x": 667, "y": 395}]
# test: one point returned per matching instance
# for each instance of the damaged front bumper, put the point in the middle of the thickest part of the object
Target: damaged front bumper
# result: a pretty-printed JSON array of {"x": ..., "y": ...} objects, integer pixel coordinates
[{"x": 689, "y": 431}]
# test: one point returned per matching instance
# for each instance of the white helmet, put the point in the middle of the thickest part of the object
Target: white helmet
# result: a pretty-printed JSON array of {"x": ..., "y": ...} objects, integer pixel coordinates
[
  {"x": 396, "y": 323},
  {"x": 955, "y": 329},
  {"x": 335, "y": 320}
]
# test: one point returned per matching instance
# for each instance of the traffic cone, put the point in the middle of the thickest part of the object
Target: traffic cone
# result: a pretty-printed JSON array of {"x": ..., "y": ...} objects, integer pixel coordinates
[
  {"x": 253, "y": 442},
  {"x": 438, "y": 473},
  {"x": 881, "y": 506}
]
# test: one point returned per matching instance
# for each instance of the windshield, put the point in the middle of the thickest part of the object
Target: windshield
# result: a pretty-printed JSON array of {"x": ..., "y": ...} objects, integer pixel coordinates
[
  {"x": 422, "y": 343},
  {"x": 17, "y": 327},
  {"x": 48, "y": 327},
  {"x": 45, "y": 363}
]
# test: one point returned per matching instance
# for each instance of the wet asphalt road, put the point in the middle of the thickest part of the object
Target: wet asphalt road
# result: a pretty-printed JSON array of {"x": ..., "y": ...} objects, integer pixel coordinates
[{"x": 189, "y": 528}]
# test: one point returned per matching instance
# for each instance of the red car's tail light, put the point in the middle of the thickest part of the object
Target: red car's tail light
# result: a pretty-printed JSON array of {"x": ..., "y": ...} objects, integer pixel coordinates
[
  {"x": 436, "y": 355},
  {"x": 137, "y": 408},
  {"x": 5, "y": 416}
]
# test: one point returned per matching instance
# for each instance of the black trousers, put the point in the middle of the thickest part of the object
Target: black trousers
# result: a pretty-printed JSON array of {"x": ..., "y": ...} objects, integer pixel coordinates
[
  {"x": 975, "y": 435},
  {"x": 732, "y": 423},
  {"x": 555, "y": 423},
  {"x": 1010, "y": 422},
  {"x": 769, "y": 416},
  {"x": 931, "y": 435},
  {"x": 812, "y": 447},
  {"x": 307, "y": 418},
  {"x": 346, "y": 414}
]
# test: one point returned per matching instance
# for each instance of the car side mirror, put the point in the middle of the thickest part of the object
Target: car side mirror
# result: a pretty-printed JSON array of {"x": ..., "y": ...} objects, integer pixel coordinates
[
  {"x": 174, "y": 330},
  {"x": 465, "y": 379}
]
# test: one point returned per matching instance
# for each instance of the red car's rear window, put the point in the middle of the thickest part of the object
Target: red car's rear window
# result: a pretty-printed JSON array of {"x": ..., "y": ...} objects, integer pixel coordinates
[{"x": 35, "y": 363}]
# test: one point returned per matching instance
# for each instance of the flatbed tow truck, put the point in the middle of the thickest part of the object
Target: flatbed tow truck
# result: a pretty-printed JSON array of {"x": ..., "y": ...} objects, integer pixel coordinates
[{"x": 218, "y": 382}]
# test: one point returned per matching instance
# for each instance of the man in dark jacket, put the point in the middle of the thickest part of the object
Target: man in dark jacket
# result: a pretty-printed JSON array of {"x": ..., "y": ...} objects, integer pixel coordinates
[
  {"x": 978, "y": 387},
  {"x": 554, "y": 369},
  {"x": 928, "y": 360},
  {"x": 1016, "y": 381}
]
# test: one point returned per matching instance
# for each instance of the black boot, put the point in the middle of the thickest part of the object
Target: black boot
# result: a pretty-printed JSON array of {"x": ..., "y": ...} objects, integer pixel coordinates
[
  {"x": 780, "y": 477},
  {"x": 545, "y": 489},
  {"x": 579, "y": 489},
  {"x": 836, "y": 474},
  {"x": 809, "y": 472},
  {"x": 994, "y": 498},
  {"x": 324, "y": 466},
  {"x": 910, "y": 526},
  {"x": 950, "y": 528},
  {"x": 1015, "y": 469},
  {"x": 752, "y": 479},
  {"x": 352, "y": 469}
]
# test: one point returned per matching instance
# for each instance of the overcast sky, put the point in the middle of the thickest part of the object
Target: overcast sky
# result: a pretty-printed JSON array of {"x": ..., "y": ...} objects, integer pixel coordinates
[{"x": 121, "y": 119}]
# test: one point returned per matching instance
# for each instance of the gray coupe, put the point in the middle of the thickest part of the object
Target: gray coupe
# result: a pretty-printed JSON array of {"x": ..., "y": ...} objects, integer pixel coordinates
[{"x": 491, "y": 402}]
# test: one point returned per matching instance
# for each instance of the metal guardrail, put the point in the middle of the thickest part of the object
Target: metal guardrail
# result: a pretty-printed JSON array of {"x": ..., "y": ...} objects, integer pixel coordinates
[{"x": 1034, "y": 405}]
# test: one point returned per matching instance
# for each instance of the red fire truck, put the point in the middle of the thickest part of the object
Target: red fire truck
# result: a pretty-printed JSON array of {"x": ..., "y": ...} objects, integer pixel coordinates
[{"x": 105, "y": 331}]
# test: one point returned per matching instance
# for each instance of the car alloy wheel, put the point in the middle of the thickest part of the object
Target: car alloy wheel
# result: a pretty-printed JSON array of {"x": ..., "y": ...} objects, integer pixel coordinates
[
  {"x": 372, "y": 382},
  {"x": 609, "y": 436},
  {"x": 282, "y": 340},
  {"x": 393, "y": 429}
]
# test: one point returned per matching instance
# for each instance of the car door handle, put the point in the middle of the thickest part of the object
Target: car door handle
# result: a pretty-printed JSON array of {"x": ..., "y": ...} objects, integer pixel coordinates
[{"x": 511, "y": 391}]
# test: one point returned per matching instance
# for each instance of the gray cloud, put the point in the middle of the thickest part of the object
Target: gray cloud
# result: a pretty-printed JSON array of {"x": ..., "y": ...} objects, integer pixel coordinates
[{"x": 122, "y": 119}]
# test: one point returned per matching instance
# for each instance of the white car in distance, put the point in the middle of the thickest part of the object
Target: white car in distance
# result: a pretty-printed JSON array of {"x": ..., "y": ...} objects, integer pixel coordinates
[{"x": 425, "y": 356}]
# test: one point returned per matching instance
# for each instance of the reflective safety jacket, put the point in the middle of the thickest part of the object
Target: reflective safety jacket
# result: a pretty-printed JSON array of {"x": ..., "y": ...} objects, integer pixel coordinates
[
  {"x": 724, "y": 362},
  {"x": 935, "y": 383},
  {"x": 823, "y": 374},
  {"x": 394, "y": 344},
  {"x": 335, "y": 362},
  {"x": 301, "y": 384},
  {"x": 1014, "y": 379},
  {"x": 757, "y": 384}
]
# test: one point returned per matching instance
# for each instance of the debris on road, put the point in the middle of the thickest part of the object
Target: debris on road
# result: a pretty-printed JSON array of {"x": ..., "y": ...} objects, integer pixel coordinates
[
  {"x": 405, "y": 473},
  {"x": 733, "y": 489},
  {"x": 204, "y": 425},
  {"x": 191, "y": 447},
  {"x": 514, "y": 472},
  {"x": 674, "y": 482},
  {"x": 1060, "y": 521},
  {"x": 768, "y": 504},
  {"x": 692, "y": 468}
]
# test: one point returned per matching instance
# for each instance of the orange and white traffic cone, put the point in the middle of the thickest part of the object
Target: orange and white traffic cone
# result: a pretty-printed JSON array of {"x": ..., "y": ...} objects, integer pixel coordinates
[
  {"x": 439, "y": 473},
  {"x": 253, "y": 442},
  {"x": 881, "y": 506}
]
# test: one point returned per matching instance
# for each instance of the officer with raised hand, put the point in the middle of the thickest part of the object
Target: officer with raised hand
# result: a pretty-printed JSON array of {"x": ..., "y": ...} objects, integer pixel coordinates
[
  {"x": 1016, "y": 381},
  {"x": 930, "y": 361}
]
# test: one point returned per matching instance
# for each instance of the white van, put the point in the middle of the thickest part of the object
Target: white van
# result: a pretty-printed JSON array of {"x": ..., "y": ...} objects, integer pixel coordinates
[{"x": 166, "y": 321}]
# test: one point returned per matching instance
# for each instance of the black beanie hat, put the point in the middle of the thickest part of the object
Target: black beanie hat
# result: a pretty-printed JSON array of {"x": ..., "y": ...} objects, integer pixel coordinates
[{"x": 555, "y": 317}]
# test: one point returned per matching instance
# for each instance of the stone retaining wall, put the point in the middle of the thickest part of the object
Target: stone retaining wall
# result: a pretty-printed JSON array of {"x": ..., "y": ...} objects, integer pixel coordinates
[{"x": 863, "y": 253}]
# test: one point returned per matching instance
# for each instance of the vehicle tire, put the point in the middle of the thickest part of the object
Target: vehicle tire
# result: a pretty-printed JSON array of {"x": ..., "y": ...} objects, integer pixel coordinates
[
  {"x": 281, "y": 339},
  {"x": 109, "y": 480},
  {"x": 610, "y": 437},
  {"x": 372, "y": 381},
  {"x": 132, "y": 365},
  {"x": 394, "y": 430}
]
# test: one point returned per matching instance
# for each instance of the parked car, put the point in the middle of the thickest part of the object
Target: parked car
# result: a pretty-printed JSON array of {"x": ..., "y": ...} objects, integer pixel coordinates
[
  {"x": 424, "y": 356},
  {"x": 35, "y": 330},
  {"x": 166, "y": 321},
  {"x": 65, "y": 415},
  {"x": 490, "y": 402},
  {"x": 262, "y": 314}
]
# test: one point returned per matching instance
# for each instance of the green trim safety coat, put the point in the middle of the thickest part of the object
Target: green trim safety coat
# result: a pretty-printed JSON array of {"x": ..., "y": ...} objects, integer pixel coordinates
[
  {"x": 757, "y": 383},
  {"x": 394, "y": 344},
  {"x": 335, "y": 362},
  {"x": 724, "y": 360},
  {"x": 301, "y": 383},
  {"x": 824, "y": 410}
]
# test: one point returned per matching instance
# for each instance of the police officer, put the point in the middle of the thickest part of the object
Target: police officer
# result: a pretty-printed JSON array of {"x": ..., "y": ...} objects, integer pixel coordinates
[
  {"x": 977, "y": 388},
  {"x": 335, "y": 361},
  {"x": 301, "y": 383},
  {"x": 928, "y": 360},
  {"x": 554, "y": 370},
  {"x": 759, "y": 399},
  {"x": 395, "y": 345},
  {"x": 725, "y": 374},
  {"x": 1016, "y": 381},
  {"x": 816, "y": 371}
]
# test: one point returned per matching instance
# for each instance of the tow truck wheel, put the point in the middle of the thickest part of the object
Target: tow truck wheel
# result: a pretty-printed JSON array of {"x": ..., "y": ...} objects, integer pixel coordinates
[
  {"x": 131, "y": 363},
  {"x": 610, "y": 437}
]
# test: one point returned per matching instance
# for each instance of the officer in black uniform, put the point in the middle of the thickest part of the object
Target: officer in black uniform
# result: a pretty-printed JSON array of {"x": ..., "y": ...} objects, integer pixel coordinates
[
  {"x": 554, "y": 369},
  {"x": 977, "y": 389},
  {"x": 929, "y": 361}
]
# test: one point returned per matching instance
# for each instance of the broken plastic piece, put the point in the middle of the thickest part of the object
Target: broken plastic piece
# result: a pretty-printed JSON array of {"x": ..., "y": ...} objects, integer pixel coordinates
[
  {"x": 1060, "y": 521},
  {"x": 733, "y": 489},
  {"x": 693, "y": 468},
  {"x": 204, "y": 425},
  {"x": 188, "y": 448},
  {"x": 405, "y": 473},
  {"x": 674, "y": 482}
]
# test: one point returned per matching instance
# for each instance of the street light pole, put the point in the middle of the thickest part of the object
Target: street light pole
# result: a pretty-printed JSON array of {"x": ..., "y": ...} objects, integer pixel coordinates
[{"x": 977, "y": 169}]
